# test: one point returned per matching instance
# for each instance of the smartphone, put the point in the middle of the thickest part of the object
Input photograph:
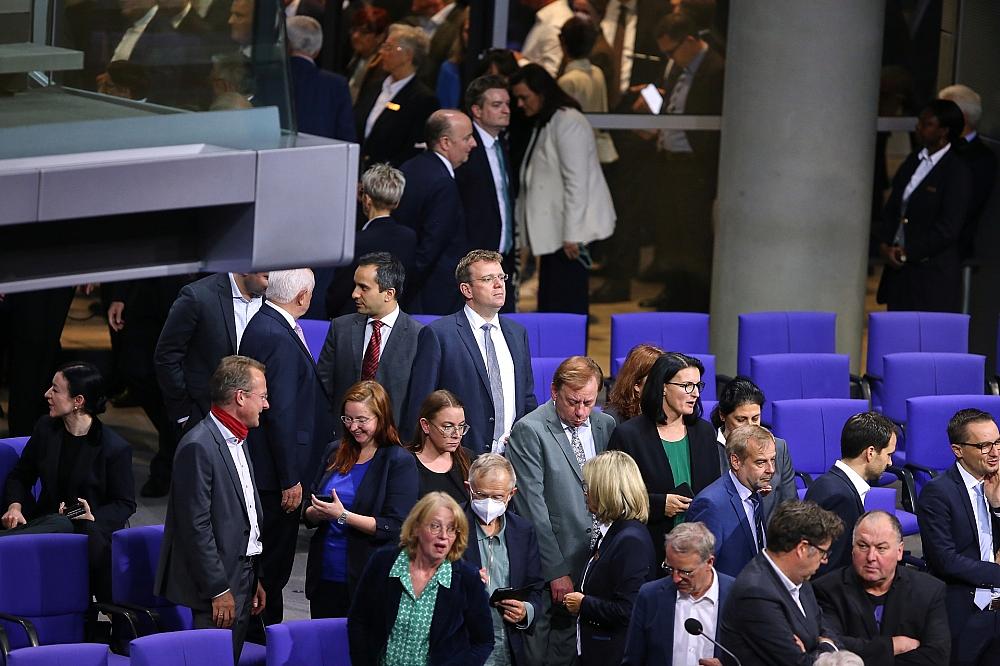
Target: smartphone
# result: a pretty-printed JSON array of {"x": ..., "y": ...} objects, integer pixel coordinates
[
  {"x": 324, "y": 498},
  {"x": 74, "y": 510}
]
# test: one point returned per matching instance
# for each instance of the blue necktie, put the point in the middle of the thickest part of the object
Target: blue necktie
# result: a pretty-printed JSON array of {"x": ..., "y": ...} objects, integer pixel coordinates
[{"x": 508, "y": 237}]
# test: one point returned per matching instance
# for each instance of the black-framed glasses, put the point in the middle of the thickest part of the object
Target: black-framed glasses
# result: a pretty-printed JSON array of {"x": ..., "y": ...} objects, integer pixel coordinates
[
  {"x": 689, "y": 387},
  {"x": 984, "y": 447},
  {"x": 451, "y": 430},
  {"x": 825, "y": 552}
]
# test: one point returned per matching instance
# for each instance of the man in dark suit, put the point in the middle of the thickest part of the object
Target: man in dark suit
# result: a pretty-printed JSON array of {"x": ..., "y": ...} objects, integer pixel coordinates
[
  {"x": 505, "y": 551},
  {"x": 212, "y": 532},
  {"x": 924, "y": 216},
  {"x": 958, "y": 515},
  {"x": 732, "y": 507},
  {"x": 479, "y": 356},
  {"x": 432, "y": 207},
  {"x": 692, "y": 588},
  {"x": 867, "y": 443},
  {"x": 286, "y": 450},
  {"x": 886, "y": 613},
  {"x": 772, "y": 616},
  {"x": 381, "y": 189},
  {"x": 390, "y": 120},
  {"x": 204, "y": 324},
  {"x": 486, "y": 182},
  {"x": 378, "y": 342},
  {"x": 322, "y": 98}
]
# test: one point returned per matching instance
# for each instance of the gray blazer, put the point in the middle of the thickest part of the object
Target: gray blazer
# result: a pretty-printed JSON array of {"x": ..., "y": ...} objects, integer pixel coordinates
[
  {"x": 343, "y": 351},
  {"x": 784, "y": 476},
  {"x": 550, "y": 488},
  {"x": 201, "y": 559}
]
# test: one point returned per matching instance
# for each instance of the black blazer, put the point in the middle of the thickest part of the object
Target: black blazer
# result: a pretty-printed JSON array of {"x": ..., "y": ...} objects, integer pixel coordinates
[
  {"x": 525, "y": 571},
  {"x": 931, "y": 278},
  {"x": 322, "y": 101},
  {"x": 914, "y": 607},
  {"x": 387, "y": 492},
  {"x": 638, "y": 438},
  {"x": 102, "y": 475},
  {"x": 834, "y": 492},
  {"x": 479, "y": 196},
  {"x": 298, "y": 424},
  {"x": 461, "y": 632},
  {"x": 982, "y": 163},
  {"x": 397, "y": 130},
  {"x": 623, "y": 563}
]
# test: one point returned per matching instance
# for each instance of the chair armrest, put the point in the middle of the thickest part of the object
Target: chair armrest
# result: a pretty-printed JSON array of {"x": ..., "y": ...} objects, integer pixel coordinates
[
  {"x": 920, "y": 468},
  {"x": 912, "y": 561},
  {"x": 905, "y": 477},
  {"x": 116, "y": 610},
  {"x": 993, "y": 386},
  {"x": 806, "y": 478},
  {"x": 864, "y": 387},
  {"x": 26, "y": 624},
  {"x": 153, "y": 616},
  {"x": 4, "y": 644}
]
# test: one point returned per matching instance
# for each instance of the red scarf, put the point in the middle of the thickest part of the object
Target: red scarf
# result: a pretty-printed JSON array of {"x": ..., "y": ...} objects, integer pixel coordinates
[{"x": 231, "y": 422}]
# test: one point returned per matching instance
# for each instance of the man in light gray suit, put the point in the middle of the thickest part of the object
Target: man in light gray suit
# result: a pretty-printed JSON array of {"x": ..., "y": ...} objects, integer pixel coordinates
[
  {"x": 547, "y": 449},
  {"x": 379, "y": 342},
  {"x": 210, "y": 566}
]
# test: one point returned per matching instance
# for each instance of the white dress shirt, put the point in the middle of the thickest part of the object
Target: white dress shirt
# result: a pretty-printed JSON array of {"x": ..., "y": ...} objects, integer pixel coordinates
[
  {"x": 744, "y": 494},
  {"x": 390, "y": 89},
  {"x": 131, "y": 37},
  {"x": 860, "y": 485},
  {"x": 586, "y": 434},
  {"x": 447, "y": 163},
  {"x": 541, "y": 46},
  {"x": 487, "y": 141},
  {"x": 927, "y": 162},
  {"x": 388, "y": 322},
  {"x": 506, "y": 362},
  {"x": 180, "y": 16},
  {"x": 243, "y": 309},
  {"x": 284, "y": 313},
  {"x": 983, "y": 595},
  {"x": 235, "y": 447},
  {"x": 689, "y": 649},
  {"x": 791, "y": 587},
  {"x": 609, "y": 25}
]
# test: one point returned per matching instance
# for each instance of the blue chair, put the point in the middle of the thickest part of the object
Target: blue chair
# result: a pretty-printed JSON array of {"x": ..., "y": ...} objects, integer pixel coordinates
[
  {"x": 685, "y": 332},
  {"x": 884, "y": 499},
  {"x": 424, "y": 318},
  {"x": 70, "y": 654},
  {"x": 912, "y": 374},
  {"x": 308, "y": 643},
  {"x": 543, "y": 369},
  {"x": 812, "y": 430},
  {"x": 314, "y": 331},
  {"x": 213, "y": 647},
  {"x": 784, "y": 333},
  {"x": 710, "y": 392},
  {"x": 11, "y": 449},
  {"x": 796, "y": 376},
  {"x": 554, "y": 333}
]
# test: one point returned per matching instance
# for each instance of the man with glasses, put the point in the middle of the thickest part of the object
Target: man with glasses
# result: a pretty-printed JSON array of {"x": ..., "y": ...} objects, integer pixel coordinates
[
  {"x": 960, "y": 531},
  {"x": 479, "y": 356},
  {"x": 772, "y": 616},
  {"x": 692, "y": 589}
]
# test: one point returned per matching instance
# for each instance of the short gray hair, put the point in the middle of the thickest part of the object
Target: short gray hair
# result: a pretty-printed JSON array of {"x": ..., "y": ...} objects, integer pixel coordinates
[
  {"x": 284, "y": 286},
  {"x": 739, "y": 439},
  {"x": 305, "y": 34},
  {"x": 841, "y": 658},
  {"x": 232, "y": 375},
  {"x": 691, "y": 538},
  {"x": 413, "y": 39},
  {"x": 967, "y": 99},
  {"x": 491, "y": 463},
  {"x": 384, "y": 184}
]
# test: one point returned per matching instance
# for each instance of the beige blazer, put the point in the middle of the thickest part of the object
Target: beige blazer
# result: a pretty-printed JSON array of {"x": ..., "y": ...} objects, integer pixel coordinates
[{"x": 585, "y": 83}]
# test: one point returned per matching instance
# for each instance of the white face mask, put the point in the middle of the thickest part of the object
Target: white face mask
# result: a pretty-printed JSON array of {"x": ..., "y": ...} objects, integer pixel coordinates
[{"x": 488, "y": 509}]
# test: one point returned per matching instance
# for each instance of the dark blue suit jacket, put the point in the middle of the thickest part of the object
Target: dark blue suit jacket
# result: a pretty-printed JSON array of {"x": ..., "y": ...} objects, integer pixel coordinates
[
  {"x": 650, "y": 639},
  {"x": 720, "y": 508},
  {"x": 461, "y": 632},
  {"x": 298, "y": 423},
  {"x": 448, "y": 357},
  {"x": 431, "y": 206},
  {"x": 387, "y": 492},
  {"x": 950, "y": 537},
  {"x": 322, "y": 101},
  {"x": 525, "y": 570},
  {"x": 834, "y": 492},
  {"x": 479, "y": 198}
]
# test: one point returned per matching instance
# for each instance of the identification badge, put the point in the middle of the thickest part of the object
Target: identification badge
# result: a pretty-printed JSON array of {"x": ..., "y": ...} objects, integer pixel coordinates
[{"x": 392, "y": 106}]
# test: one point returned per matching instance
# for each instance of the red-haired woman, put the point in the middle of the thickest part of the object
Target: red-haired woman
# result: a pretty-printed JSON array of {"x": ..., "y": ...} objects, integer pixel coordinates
[{"x": 359, "y": 499}]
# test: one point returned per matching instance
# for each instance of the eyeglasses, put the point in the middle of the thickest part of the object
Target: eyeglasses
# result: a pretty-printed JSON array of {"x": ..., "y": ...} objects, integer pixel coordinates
[
  {"x": 670, "y": 571},
  {"x": 361, "y": 420},
  {"x": 481, "y": 496},
  {"x": 262, "y": 396},
  {"x": 984, "y": 447},
  {"x": 490, "y": 279},
  {"x": 689, "y": 387},
  {"x": 825, "y": 552},
  {"x": 439, "y": 529},
  {"x": 386, "y": 46},
  {"x": 452, "y": 430}
]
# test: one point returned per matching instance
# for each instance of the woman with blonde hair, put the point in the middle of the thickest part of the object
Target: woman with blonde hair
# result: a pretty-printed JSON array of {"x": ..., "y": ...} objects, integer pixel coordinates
[
  {"x": 359, "y": 499},
  {"x": 422, "y": 604},
  {"x": 442, "y": 461},
  {"x": 623, "y": 399},
  {"x": 623, "y": 560}
]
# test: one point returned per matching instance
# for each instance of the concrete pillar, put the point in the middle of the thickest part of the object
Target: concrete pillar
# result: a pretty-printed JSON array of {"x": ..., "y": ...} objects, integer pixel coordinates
[{"x": 795, "y": 169}]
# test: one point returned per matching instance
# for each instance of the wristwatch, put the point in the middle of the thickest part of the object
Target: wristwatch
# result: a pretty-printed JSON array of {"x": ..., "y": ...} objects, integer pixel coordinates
[{"x": 342, "y": 520}]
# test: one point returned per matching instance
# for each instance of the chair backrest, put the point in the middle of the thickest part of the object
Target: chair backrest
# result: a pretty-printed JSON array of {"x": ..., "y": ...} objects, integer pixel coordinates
[
  {"x": 424, "y": 318},
  {"x": 796, "y": 376},
  {"x": 881, "y": 499},
  {"x": 135, "y": 553},
  {"x": 784, "y": 333},
  {"x": 44, "y": 578},
  {"x": 16, "y": 443},
  {"x": 894, "y": 332},
  {"x": 308, "y": 643},
  {"x": 195, "y": 646},
  {"x": 927, "y": 428},
  {"x": 912, "y": 374},
  {"x": 685, "y": 332},
  {"x": 8, "y": 459},
  {"x": 543, "y": 369},
  {"x": 812, "y": 429},
  {"x": 314, "y": 331},
  {"x": 71, "y": 654},
  {"x": 554, "y": 333}
]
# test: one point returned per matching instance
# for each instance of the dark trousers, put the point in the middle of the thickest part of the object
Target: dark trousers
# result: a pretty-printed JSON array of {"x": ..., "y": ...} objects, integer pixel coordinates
[
  {"x": 329, "y": 600},
  {"x": 243, "y": 596},
  {"x": 278, "y": 536},
  {"x": 509, "y": 265},
  {"x": 562, "y": 284},
  {"x": 631, "y": 182}
]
